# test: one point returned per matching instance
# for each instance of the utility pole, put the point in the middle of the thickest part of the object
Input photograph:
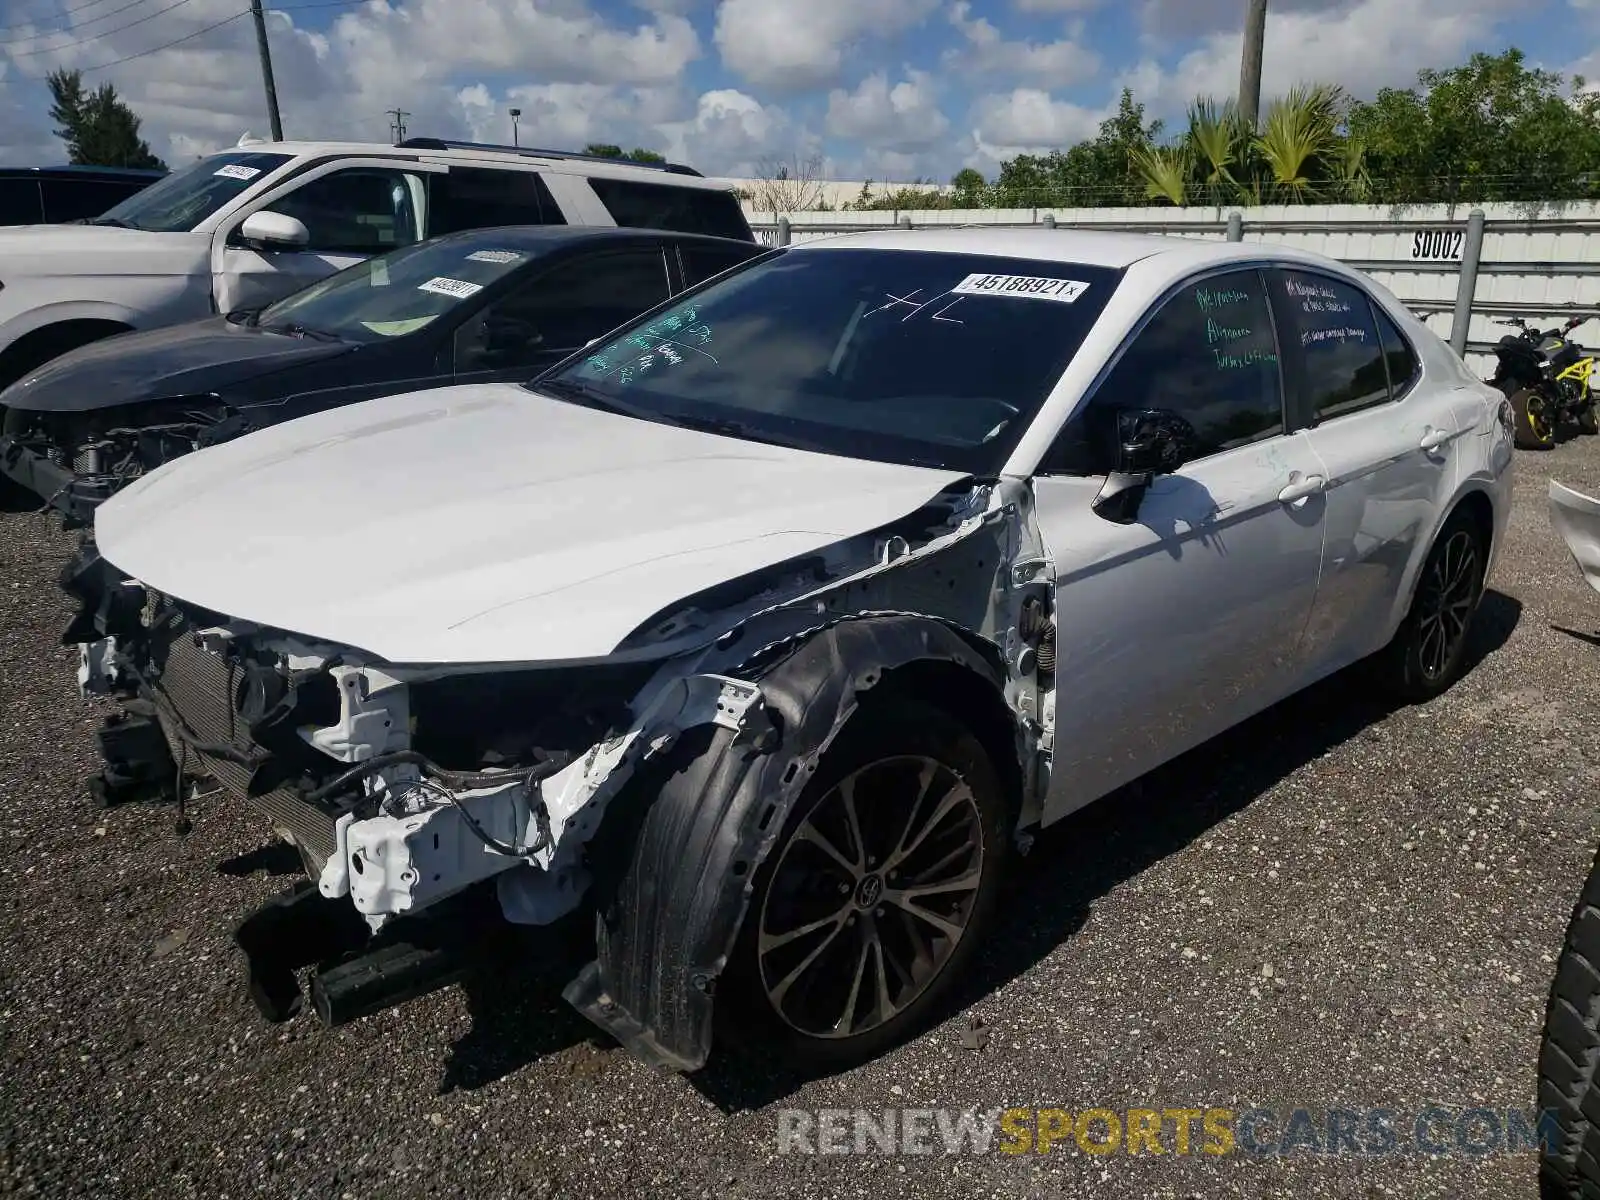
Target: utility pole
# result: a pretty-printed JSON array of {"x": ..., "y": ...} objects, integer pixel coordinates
[
  {"x": 266, "y": 69},
  {"x": 1255, "y": 36},
  {"x": 398, "y": 127}
]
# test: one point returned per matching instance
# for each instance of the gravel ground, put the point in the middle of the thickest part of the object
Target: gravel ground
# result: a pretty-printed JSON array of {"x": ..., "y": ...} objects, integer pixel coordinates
[{"x": 1337, "y": 905}]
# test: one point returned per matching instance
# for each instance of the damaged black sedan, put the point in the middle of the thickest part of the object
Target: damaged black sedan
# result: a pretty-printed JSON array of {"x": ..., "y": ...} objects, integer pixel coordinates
[{"x": 470, "y": 307}]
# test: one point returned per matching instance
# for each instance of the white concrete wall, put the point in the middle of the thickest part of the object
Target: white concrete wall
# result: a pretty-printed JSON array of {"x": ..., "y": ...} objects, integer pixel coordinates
[{"x": 1541, "y": 262}]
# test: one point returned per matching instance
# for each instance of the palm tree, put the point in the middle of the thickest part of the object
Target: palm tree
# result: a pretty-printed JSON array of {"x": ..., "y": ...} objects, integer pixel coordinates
[
  {"x": 1299, "y": 153},
  {"x": 1218, "y": 140},
  {"x": 1166, "y": 172},
  {"x": 1299, "y": 138}
]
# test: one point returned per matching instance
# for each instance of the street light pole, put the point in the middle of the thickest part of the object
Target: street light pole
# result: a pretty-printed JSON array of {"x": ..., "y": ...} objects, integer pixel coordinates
[
  {"x": 1255, "y": 36},
  {"x": 515, "y": 113}
]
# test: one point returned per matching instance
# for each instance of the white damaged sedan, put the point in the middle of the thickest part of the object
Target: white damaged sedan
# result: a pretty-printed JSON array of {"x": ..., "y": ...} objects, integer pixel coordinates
[{"x": 767, "y": 628}]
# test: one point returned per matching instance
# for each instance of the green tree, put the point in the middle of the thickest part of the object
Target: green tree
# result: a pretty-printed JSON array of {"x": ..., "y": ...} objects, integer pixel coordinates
[
  {"x": 1098, "y": 172},
  {"x": 1300, "y": 153},
  {"x": 1490, "y": 129},
  {"x": 637, "y": 154},
  {"x": 97, "y": 127},
  {"x": 970, "y": 186}
]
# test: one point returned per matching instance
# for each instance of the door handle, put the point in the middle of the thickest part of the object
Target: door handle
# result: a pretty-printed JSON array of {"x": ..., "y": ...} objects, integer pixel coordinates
[
  {"x": 1433, "y": 439},
  {"x": 1302, "y": 488}
]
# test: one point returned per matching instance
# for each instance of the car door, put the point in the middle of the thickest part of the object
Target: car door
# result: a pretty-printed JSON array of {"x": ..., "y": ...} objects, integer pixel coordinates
[
  {"x": 1186, "y": 621},
  {"x": 559, "y": 311},
  {"x": 1388, "y": 441},
  {"x": 352, "y": 209}
]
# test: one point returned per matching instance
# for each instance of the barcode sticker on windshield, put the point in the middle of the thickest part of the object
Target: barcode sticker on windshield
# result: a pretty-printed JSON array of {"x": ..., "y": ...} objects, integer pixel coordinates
[
  {"x": 494, "y": 256},
  {"x": 1031, "y": 287},
  {"x": 235, "y": 171},
  {"x": 459, "y": 288}
]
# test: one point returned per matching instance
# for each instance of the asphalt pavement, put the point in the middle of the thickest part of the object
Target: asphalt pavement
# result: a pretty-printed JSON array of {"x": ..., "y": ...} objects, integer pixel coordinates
[{"x": 1337, "y": 905}]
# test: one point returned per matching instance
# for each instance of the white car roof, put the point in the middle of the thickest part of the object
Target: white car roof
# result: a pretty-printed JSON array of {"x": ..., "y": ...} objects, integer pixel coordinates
[
  {"x": 580, "y": 166},
  {"x": 1091, "y": 247}
]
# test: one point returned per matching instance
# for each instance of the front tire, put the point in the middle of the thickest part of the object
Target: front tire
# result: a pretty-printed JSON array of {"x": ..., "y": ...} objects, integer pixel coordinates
[
  {"x": 877, "y": 892},
  {"x": 1569, "y": 1055},
  {"x": 1534, "y": 423},
  {"x": 1425, "y": 657}
]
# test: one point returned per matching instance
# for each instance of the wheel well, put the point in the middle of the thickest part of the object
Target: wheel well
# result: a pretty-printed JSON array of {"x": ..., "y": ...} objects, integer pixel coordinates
[
  {"x": 37, "y": 347},
  {"x": 1476, "y": 507},
  {"x": 970, "y": 699}
]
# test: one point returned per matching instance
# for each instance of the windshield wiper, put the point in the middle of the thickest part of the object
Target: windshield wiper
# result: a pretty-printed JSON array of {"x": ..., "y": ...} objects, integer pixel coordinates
[
  {"x": 302, "y": 331},
  {"x": 114, "y": 222},
  {"x": 581, "y": 393}
]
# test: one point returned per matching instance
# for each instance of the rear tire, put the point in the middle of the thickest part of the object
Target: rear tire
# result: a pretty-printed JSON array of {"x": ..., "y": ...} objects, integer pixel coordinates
[
  {"x": 1534, "y": 425},
  {"x": 911, "y": 775},
  {"x": 1588, "y": 419},
  {"x": 1424, "y": 658},
  {"x": 1569, "y": 1055}
]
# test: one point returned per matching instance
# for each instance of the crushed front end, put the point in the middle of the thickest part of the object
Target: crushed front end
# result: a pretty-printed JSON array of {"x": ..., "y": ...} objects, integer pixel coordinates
[{"x": 73, "y": 461}]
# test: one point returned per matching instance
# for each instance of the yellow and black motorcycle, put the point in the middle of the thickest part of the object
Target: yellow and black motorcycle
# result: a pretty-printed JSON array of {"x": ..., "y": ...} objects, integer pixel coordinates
[{"x": 1546, "y": 377}]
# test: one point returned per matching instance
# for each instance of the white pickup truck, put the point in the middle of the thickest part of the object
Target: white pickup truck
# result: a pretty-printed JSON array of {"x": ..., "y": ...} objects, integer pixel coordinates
[{"x": 242, "y": 228}]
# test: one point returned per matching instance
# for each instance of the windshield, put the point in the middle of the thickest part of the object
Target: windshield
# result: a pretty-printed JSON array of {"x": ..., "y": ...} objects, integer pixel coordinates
[
  {"x": 904, "y": 356},
  {"x": 398, "y": 293},
  {"x": 180, "y": 201}
]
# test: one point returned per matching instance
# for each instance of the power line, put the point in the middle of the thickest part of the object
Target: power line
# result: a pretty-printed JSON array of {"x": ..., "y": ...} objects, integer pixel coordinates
[
  {"x": 67, "y": 12},
  {"x": 175, "y": 42},
  {"x": 95, "y": 37},
  {"x": 28, "y": 37}
]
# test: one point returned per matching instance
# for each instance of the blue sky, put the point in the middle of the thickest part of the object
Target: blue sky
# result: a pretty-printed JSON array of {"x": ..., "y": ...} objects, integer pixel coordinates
[{"x": 886, "y": 89}]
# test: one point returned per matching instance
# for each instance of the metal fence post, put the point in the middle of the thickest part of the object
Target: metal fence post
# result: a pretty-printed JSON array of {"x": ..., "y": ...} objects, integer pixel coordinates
[
  {"x": 1236, "y": 227},
  {"x": 1049, "y": 220},
  {"x": 1467, "y": 288},
  {"x": 783, "y": 231}
]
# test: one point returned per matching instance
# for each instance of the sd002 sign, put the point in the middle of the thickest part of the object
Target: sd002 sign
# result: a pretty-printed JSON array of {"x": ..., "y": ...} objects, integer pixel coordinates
[{"x": 1437, "y": 245}]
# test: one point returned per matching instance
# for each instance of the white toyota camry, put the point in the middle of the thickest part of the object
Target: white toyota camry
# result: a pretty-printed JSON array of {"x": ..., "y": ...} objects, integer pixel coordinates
[{"x": 768, "y": 627}]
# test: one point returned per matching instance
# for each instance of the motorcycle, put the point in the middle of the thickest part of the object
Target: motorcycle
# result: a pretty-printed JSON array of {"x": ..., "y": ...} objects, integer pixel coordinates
[{"x": 1546, "y": 378}]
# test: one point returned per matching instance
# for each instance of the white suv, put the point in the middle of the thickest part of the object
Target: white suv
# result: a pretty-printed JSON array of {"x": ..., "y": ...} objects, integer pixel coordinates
[{"x": 242, "y": 228}]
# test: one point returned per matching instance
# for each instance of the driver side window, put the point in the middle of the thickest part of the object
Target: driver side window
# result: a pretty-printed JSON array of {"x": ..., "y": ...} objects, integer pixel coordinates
[
  {"x": 359, "y": 211},
  {"x": 1209, "y": 355}
]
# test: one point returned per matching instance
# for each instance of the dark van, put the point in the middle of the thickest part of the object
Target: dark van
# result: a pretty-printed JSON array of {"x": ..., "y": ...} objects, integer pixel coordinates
[{"x": 56, "y": 195}]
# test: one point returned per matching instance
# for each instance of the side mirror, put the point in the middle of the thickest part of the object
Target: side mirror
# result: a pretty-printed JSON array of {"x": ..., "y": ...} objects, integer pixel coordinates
[
  {"x": 275, "y": 230},
  {"x": 1150, "y": 442}
]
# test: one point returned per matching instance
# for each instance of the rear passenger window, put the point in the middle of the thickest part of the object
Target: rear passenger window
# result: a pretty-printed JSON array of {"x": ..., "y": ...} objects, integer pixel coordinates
[
  {"x": 680, "y": 209},
  {"x": 702, "y": 262},
  {"x": 1333, "y": 325},
  {"x": 19, "y": 202},
  {"x": 472, "y": 198},
  {"x": 1404, "y": 367}
]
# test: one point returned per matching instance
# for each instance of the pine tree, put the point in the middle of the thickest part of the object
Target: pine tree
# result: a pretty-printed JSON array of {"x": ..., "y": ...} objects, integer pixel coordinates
[{"x": 97, "y": 127}]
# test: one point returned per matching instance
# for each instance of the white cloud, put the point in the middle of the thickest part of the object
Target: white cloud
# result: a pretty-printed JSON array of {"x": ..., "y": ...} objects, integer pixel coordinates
[
  {"x": 1362, "y": 45},
  {"x": 904, "y": 118},
  {"x": 791, "y": 45},
  {"x": 1056, "y": 6},
  {"x": 1060, "y": 64},
  {"x": 1028, "y": 121}
]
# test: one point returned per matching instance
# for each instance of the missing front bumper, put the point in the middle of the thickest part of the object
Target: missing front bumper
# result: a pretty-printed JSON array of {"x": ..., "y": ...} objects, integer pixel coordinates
[{"x": 57, "y": 487}]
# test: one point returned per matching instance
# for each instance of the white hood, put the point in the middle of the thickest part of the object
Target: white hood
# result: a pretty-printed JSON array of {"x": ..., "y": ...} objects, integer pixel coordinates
[
  {"x": 484, "y": 523},
  {"x": 47, "y": 251}
]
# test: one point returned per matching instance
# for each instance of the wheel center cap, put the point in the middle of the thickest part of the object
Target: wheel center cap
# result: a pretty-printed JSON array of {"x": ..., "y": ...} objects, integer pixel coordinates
[{"x": 869, "y": 891}]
